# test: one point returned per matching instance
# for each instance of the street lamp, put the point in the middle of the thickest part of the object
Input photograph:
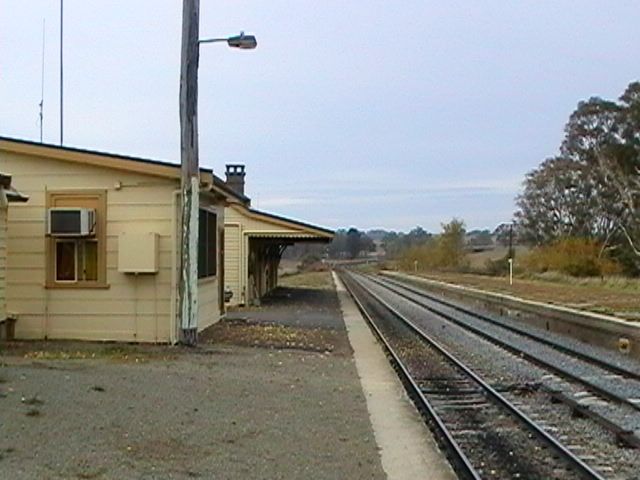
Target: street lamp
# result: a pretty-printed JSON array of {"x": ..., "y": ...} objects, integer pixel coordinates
[
  {"x": 190, "y": 169},
  {"x": 245, "y": 42}
]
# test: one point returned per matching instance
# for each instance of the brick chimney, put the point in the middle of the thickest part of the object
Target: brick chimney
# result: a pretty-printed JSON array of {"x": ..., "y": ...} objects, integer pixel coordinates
[{"x": 235, "y": 178}]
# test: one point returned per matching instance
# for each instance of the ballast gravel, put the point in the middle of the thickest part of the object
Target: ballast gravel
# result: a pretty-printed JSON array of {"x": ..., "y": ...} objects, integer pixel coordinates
[
  {"x": 611, "y": 356},
  {"x": 625, "y": 416},
  {"x": 498, "y": 365}
]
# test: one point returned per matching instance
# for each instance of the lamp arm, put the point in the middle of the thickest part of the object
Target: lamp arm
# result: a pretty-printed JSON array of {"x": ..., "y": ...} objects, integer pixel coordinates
[{"x": 212, "y": 40}]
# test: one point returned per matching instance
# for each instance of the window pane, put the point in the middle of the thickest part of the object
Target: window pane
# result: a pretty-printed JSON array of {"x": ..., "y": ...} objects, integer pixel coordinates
[
  {"x": 89, "y": 260},
  {"x": 202, "y": 243},
  {"x": 66, "y": 261},
  {"x": 211, "y": 243}
]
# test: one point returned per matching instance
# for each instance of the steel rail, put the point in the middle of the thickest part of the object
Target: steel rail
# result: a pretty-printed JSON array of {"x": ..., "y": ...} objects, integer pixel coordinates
[
  {"x": 565, "y": 453},
  {"x": 460, "y": 461},
  {"x": 601, "y": 391},
  {"x": 563, "y": 348}
]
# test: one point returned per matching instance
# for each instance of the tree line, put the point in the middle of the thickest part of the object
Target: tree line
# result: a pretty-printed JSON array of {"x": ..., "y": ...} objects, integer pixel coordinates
[{"x": 591, "y": 189}]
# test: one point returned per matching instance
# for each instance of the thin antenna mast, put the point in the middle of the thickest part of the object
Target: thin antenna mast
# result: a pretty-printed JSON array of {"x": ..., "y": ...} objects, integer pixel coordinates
[
  {"x": 42, "y": 84},
  {"x": 61, "y": 76}
]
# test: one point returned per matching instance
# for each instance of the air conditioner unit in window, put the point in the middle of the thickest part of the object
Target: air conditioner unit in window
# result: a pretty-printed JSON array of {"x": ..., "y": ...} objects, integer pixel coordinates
[{"x": 71, "y": 222}]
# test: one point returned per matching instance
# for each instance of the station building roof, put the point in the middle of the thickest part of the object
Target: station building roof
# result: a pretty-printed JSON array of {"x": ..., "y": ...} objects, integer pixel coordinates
[
  {"x": 269, "y": 226},
  {"x": 147, "y": 166}
]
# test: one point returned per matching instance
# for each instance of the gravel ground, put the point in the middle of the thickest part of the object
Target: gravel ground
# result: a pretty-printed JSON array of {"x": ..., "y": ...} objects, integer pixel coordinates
[
  {"x": 295, "y": 307},
  {"x": 218, "y": 412},
  {"x": 506, "y": 370}
]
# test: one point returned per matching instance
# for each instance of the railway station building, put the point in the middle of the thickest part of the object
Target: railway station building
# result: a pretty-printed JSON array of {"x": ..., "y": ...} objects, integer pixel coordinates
[{"x": 94, "y": 253}]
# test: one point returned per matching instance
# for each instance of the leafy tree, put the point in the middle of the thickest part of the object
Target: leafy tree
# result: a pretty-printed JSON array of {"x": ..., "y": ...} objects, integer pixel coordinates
[
  {"x": 349, "y": 244},
  {"x": 560, "y": 200},
  {"x": 450, "y": 244},
  {"x": 338, "y": 246},
  {"x": 618, "y": 162},
  {"x": 444, "y": 251},
  {"x": 354, "y": 242},
  {"x": 396, "y": 243},
  {"x": 592, "y": 189}
]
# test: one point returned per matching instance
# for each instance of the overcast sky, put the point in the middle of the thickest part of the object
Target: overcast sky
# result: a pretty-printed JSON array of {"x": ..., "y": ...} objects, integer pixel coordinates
[{"x": 367, "y": 113}]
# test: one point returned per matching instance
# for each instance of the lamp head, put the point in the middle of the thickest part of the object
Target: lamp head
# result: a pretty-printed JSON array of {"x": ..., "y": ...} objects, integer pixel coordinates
[{"x": 246, "y": 42}]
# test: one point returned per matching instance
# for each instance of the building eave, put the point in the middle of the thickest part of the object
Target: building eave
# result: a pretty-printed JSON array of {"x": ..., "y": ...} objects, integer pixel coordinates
[
  {"x": 146, "y": 166},
  {"x": 295, "y": 229}
]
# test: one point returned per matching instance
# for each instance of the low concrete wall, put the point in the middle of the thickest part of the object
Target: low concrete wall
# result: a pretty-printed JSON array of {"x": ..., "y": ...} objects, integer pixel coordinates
[{"x": 592, "y": 328}]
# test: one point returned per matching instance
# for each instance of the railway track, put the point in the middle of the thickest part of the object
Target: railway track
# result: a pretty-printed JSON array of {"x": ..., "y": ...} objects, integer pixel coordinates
[
  {"x": 609, "y": 366},
  {"x": 608, "y": 393},
  {"x": 487, "y": 433}
]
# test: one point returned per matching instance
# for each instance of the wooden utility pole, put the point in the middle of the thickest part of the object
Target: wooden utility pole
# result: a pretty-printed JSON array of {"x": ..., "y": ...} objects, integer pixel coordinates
[
  {"x": 190, "y": 172},
  {"x": 61, "y": 73}
]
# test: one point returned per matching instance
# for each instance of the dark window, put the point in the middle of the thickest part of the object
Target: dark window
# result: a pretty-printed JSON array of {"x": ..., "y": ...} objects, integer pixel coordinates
[
  {"x": 207, "y": 231},
  {"x": 76, "y": 260},
  {"x": 66, "y": 257}
]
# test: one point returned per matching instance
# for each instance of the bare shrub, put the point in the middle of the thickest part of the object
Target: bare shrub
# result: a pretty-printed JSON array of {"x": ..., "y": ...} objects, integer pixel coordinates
[{"x": 577, "y": 257}]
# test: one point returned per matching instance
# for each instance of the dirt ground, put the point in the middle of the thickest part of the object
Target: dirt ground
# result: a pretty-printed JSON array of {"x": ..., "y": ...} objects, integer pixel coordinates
[
  {"x": 287, "y": 406},
  {"x": 602, "y": 297}
]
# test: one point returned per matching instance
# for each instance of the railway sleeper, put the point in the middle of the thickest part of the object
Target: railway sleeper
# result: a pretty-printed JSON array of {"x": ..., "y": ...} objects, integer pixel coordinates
[{"x": 624, "y": 437}]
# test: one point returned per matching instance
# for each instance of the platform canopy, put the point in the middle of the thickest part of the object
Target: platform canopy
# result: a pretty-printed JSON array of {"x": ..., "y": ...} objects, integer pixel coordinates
[{"x": 254, "y": 244}]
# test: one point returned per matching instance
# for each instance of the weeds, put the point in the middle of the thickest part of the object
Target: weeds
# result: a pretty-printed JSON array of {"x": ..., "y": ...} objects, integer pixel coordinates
[
  {"x": 32, "y": 400},
  {"x": 5, "y": 451}
]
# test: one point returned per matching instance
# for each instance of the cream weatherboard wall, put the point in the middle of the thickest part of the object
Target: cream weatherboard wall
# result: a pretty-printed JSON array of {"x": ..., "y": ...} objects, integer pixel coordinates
[
  {"x": 131, "y": 307},
  {"x": 3, "y": 258},
  {"x": 233, "y": 261}
]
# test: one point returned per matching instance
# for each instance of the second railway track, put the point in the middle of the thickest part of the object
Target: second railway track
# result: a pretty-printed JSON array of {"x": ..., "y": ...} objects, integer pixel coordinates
[
  {"x": 484, "y": 419},
  {"x": 600, "y": 389}
]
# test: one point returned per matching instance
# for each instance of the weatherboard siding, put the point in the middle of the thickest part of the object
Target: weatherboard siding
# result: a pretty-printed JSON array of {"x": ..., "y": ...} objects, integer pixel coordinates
[
  {"x": 3, "y": 261},
  {"x": 233, "y": 259},
  {"x": 133, "y": 307}
]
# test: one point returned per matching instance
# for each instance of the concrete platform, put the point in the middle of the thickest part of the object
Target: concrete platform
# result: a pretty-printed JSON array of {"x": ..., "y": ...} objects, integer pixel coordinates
[{"x": 407, "y": 448}]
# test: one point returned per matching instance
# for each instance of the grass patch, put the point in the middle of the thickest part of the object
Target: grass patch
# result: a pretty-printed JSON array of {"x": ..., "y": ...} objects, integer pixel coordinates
[
  {"x": 614, "y": 282},
  {"x": 611, "y": 295},
  {"x": 313, "y": 280}
]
